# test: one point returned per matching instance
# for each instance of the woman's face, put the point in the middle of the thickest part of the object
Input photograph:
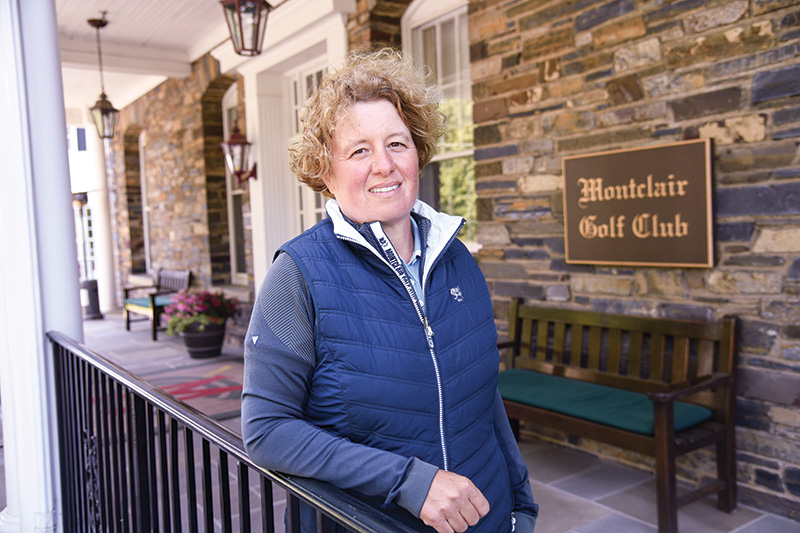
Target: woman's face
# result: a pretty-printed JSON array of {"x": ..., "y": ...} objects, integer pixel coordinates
[{"x": 374, "y": 171}]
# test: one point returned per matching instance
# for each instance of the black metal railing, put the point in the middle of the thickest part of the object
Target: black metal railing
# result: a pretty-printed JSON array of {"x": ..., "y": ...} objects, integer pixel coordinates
[{"x": 134, "y": 459}]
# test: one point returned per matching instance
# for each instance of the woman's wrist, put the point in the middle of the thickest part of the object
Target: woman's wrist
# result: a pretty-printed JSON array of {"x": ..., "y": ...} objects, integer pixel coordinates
[{"x": 414, "y": 488}]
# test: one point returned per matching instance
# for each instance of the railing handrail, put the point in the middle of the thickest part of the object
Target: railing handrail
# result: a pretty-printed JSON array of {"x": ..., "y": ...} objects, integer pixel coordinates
[{"x": 340, "y": 505}]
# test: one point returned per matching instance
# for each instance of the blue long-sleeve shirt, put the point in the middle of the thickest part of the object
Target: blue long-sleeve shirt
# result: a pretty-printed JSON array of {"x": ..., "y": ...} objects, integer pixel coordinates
[{"x": 279, "y": 362}]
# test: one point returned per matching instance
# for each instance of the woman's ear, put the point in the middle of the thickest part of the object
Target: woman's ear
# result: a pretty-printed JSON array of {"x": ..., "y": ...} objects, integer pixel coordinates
[{"x": 328, "y": 189}]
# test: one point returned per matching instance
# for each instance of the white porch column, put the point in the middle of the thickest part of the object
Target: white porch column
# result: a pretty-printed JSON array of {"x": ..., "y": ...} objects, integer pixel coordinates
[
  {"x": 101, "y": 214},
  {"x": 38, "y": 270},
  {"x": 88, "y": 174}
]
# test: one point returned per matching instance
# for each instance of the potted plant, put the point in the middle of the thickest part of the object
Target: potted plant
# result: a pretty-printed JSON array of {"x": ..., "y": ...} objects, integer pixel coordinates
[{"x": 199, "y": 317}]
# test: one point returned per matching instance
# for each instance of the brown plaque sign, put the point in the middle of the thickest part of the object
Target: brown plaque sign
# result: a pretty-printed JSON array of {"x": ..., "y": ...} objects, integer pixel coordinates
[{"x": 643, "y": 206}]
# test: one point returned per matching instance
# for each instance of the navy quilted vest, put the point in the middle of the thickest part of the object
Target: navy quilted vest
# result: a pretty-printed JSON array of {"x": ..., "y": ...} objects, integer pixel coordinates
[{"x": 377, "y": 382}]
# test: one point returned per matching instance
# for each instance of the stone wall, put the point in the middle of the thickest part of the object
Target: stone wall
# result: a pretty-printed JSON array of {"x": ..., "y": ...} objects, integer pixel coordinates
[
  {"x": 553, "y": 78},
  {"x": 376, "y": 23},
  {"x": 169, "y": 118},
  {"x": 180, "y": 125}
]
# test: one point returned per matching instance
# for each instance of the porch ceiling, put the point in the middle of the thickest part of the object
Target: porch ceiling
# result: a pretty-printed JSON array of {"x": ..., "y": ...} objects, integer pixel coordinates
[{"x": 145, "y": 42}]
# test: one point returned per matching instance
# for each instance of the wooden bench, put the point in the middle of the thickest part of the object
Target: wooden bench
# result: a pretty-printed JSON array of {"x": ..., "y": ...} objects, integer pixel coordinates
[
  {"x": 157, "y": 298},
  {"x": 659, "y": 387}
]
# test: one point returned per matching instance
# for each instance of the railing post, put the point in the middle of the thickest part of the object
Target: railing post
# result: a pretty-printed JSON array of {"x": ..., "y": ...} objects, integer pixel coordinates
[
  {"x": 267, "y": 509},
  {"x": 292, "y": 514},
  {"x": 141, "y": 471},
  {"x": 65, "y": 433}
]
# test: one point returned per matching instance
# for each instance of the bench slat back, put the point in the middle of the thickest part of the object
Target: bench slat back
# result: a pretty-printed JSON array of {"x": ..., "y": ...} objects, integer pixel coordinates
[
  {"x": 173, "y": 280},
  {"x": 636, "y": 353}
]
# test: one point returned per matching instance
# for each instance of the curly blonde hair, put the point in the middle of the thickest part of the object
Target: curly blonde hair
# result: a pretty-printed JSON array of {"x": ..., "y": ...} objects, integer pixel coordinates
[{"x": 375, "y": 75}]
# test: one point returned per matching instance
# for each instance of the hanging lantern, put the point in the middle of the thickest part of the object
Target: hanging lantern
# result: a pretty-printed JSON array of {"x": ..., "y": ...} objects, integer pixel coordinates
[
  {"x": 237, "y": 155},
  {"x": 247, "y": 23},
  {"x": 104, "y": 115}
]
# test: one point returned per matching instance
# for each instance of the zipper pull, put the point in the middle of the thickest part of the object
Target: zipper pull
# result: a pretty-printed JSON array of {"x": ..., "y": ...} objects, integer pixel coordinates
[{"x": 428, "y": 331}]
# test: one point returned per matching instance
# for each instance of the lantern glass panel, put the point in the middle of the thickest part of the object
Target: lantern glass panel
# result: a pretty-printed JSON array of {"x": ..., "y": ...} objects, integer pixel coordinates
[
  {"x": 236, "y": 156},
  {"x": 105, "y": 120},
  {"x": 247, "y": 21},
  {"x": 232, "y": 18}
]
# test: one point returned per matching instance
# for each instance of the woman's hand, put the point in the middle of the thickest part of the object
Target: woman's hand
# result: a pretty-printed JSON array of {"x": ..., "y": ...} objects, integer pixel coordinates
[{"x": 453, "y": 504}]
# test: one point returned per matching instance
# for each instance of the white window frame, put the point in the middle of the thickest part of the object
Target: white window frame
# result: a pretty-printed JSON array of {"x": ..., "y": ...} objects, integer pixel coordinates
[
  {"x": 423, "y": 14},
  {"x": 232, "y": 190},
  {"x": 310, "y": 205},
  {"x": 84, "y": 239},
  {"x": 145, "y": 204}
]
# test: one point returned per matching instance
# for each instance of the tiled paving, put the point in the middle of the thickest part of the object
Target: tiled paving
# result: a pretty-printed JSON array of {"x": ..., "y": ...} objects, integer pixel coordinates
[{"x": 577, "y": 493}]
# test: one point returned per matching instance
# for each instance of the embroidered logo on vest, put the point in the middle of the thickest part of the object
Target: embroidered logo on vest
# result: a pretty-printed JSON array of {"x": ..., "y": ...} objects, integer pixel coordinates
[{"x": 455, "y": 292}]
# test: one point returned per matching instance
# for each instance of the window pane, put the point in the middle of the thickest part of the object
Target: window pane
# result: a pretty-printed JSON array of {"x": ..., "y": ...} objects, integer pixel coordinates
[
  {"x": 459, "y": 129},
  {"x": 309, "y": 85},
  {"x": 238, "y": 231},
  {"x": 234, "y": 197},
  {"x": 463, "y": 36},
  {"x": 445, "y": 51},
  {"x": 457, "y": 193},
  {"x": 449, "y": 182},
  {"x": 233, "y": 118},
  {"x": 429, "y": 50},
  {"x": 309, "y": 203},
  {"x": 449, "y": 66},
  {"x": 295, "y": 107}
]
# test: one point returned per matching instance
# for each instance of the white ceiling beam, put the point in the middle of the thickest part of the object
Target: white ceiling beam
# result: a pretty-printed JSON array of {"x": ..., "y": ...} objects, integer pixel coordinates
[
  {"x": 210, "y": 41},
  {"x": 125, "y": 59}
]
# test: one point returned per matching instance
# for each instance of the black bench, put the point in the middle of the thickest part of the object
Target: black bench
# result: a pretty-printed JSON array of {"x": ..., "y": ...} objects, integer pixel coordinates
[
  {"x": 158, "y": 296},
  {"x": 659, "y": 387}
]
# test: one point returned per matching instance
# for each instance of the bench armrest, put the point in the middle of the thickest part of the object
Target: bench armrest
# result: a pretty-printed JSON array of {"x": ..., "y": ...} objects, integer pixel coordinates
[
  {"x": 679, "y": 390},
  {"x": 167, "y": 291},
  {"x": 128, "y": 290},
  {"x": 507, "y": 358}
]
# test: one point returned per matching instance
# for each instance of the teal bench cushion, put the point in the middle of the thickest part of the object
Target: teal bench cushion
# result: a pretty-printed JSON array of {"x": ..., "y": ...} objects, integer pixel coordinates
[
  {"x": 618, "y": 408},
  {"x": 161, "y": 301}
]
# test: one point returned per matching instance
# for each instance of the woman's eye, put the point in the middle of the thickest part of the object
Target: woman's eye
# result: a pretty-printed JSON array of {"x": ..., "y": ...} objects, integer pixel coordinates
[
  {"x": 396, "y": 144},
  {"x": 359, "y": 151}
]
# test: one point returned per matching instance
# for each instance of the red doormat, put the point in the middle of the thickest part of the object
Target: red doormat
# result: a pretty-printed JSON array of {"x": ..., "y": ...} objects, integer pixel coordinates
[{"x": 213, "y": 387}]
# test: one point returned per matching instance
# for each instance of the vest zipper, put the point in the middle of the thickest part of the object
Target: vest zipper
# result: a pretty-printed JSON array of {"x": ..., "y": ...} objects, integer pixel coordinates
[
  {"x": 399, "y": 271},
  {"x": 429, "y": 337}
]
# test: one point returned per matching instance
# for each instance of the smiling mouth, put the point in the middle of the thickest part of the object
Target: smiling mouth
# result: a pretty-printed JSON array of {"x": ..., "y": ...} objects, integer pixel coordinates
[{"x": 385, "y": 189}]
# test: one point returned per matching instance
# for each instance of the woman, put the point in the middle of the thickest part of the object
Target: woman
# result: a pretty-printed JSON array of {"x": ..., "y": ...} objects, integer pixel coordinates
[{"x": 371, "y": 358}]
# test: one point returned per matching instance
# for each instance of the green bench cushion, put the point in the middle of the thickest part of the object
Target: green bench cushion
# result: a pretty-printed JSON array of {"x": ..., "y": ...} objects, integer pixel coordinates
[
  {"x": 618, "y": 408},
  {"x": 161, "y": 301}
]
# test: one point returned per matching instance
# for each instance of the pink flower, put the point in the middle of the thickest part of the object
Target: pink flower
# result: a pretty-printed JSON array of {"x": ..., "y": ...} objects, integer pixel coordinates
[{"x": 199, "y": 306}]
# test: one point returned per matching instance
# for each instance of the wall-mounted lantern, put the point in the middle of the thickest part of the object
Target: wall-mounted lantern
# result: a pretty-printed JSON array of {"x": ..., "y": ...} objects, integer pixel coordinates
[
  {"x": 247, "y": 23},
  {"x": 237, "y": 155}
]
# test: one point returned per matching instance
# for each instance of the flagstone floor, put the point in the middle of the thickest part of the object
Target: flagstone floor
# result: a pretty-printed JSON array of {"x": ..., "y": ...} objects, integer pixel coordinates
[{"x": 577, "y": 493}]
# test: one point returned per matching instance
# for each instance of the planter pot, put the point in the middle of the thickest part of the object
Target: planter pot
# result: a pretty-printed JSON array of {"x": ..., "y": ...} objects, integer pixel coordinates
[{"x": 202, "y": 344}]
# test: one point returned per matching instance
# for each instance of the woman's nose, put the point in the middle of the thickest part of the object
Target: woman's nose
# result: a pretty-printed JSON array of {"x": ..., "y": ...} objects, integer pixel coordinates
[{"x": 382, "y": 162}]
